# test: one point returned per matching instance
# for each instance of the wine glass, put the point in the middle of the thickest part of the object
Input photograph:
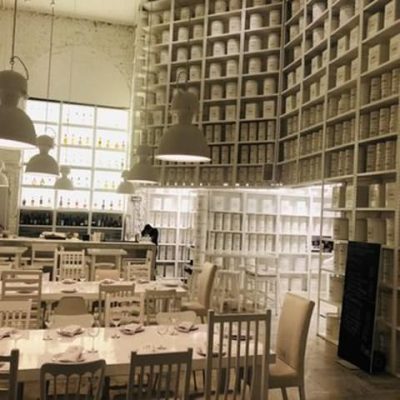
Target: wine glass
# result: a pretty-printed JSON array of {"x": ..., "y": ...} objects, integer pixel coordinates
[
  {"x": 162, "y": 329},
  {"x": 93, "y": 332},
  {"x": 49, "y": 324},
  {"x": 15, "y": 334},
  {"x": 173, "y": 322},
  {"x": 116, "y": 317}
]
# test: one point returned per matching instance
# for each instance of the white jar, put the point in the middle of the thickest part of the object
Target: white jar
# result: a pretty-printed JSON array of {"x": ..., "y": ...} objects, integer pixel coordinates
[
  {"x": 165, "y": 36},
  {"x": 231, "y": 90},
  {"x": 166, "y": 16},
  {"x": 196, "y": 51},
  {"x": 217, "y": 27},
  {"x": 220, "y": 6},
  {"x": 164, "y": 56},
  {"x": 185, "y": 13},
  {"x": 195, "y": 73},
  {"x": 274, "y": 17},
  {"x": 251, "y": 88},
  {"x": 318, "y": 9},
  {"x": 274, "y": 40},
  {"x": 182, "y": 54},
  {"x": 199, "y": 10},
  {"x": 162, "y": 77},
  {"x": 254, "y": 65},
  {"x": 234, "y": 5},
  {"x": 232, "y": 68},
  {"x": 160, "y": 97},
  {"x": 156, "y": 18},
  {"x": 272, "y": 63},
  {"x": 183, "y": 33},
  {"x": 233, "y": 46},
  {"x": 230, "y": 112},
  {"x": 255, "y": 43},
  {"x": 258, "y": 3},
  {"x": 180, "y": 74},
  {"x": 234, "y": 24},
  {"x": 251, "y": 110},
  {"x": 219, "y": 48},
  {"x": 269, "y": 86},
  {"x": 215, "y": 113},
  {"x": 215, "y": 70},
  {"x": 198, "y": 31},
  {"x": 256, "y": 21},
  {"x": 216, "y": 92}
]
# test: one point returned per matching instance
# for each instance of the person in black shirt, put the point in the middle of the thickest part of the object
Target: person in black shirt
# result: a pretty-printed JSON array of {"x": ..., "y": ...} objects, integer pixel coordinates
[{"x": 151, "y": 232}]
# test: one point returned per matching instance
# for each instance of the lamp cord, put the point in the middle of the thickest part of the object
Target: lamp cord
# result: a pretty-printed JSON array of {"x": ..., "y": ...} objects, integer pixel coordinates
[{"x": 14, "y": 32}]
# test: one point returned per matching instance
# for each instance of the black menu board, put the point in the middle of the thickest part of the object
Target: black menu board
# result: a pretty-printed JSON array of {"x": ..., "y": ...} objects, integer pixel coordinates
[{"x": 356, "y": 337}]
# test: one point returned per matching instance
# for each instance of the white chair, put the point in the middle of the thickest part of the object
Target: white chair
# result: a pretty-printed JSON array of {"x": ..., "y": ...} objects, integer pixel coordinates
[
  {"x": 159, "y": 301},
  {"x": 83, "y": 320},
  {"x": 72, "y": 265},
  {"x": 237, "y": 353},
  {"x": 134, "y": 271},
  {"x": 44, "y": 255},
  {"x": 8, "y": 375},
  {"x": 15, "y": 313},
  {"x": 227, "y": 289},
  {"x": 101, "y": 274},
  {"x": 71, "y": 305},
  {"x": 205, "y": 286},
  {"x": 294, "y": 323}
]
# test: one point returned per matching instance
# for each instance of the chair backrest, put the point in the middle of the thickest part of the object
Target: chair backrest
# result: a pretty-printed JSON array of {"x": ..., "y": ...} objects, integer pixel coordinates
[
  {"x": 71, "y": 305},
  {"x": 164, "y": 318},
  {"x": 83, "y": 320},
  {"x": 24, "y": 285},
  {"x": 205, "y": 284},
  {"x": 159, "y": 300},
  {"x": 121, "y": 297},
  {"x": 160, "y": 376},
  {"x": 15, "y": 313},
  {"x": 72, "y": 265},
  {"x": 72, "y": 381},
  {"x": 44, "y": 253},
  {"x": 135, "y": 271},
  {"x": 101, "y": 274},
  {"x": 238, "y": 348},
  {"x": 293, "y": 326},
  {"x": 8, "y": 375}
]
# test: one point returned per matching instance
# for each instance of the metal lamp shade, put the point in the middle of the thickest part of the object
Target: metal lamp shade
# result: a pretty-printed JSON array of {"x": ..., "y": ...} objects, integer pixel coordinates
[
  {"x": 3, "y": 180},
  {"x": 64, "y": 183},
  {"x": 183, "y": 143},
  {"x": 143, "y": 172},
  {"x": 125, "y": 187},
  {"x": 42, "y": 164}
]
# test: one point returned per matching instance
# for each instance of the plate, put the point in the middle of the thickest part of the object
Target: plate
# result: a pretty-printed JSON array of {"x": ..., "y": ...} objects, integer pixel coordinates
[
  {"x": 193, "y": 328},
  {"x": 129, "y": 332},
  {"x": 72, "y": 290},
  {"x": 61, "y": 333},
  {"x": 68, "y": 281},
  {"x": 171, "y": 284},
  {"x": 56, "y": 359}
]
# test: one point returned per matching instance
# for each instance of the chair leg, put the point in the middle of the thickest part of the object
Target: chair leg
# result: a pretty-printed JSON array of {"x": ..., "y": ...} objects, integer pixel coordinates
[
  {"x": 302, "y": 392},
  {"x": 284, "y": 394}
]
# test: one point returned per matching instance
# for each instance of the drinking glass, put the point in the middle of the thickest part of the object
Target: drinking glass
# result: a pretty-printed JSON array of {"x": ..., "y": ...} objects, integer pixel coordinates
[
  {"x": 173, "y": 322},
  {"x": 15, "y": 334},
  {"x": 93, "y": 332},
  {"x": 162, "y": 330},
  {"x": 49, "y": 324},
  {"x": 116, "y": 317}
]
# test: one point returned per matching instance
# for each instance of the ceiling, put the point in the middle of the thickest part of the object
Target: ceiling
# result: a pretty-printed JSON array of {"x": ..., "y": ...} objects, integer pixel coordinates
[{"x": 113, "y": 11}]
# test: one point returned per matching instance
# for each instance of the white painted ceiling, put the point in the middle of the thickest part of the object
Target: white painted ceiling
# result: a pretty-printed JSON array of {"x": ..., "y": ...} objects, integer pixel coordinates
[{"x": 113, "y": 11}]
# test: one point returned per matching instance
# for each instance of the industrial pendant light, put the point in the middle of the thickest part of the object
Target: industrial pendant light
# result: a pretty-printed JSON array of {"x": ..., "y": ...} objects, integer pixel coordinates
[
  {"x": 43, "y": 163},
  {"x": 64, "y": 183},
  {"x": 125, "y": 187},
  {"x": 16, "y": 128},
  {"x": 184, "y": 142},
  {"x": 3, "y": 176}
]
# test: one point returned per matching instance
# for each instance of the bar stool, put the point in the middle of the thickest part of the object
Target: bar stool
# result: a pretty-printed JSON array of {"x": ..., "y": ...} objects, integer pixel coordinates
[
  {"x": 227, "y": 289},
  {"x": 104, "y": 254}
]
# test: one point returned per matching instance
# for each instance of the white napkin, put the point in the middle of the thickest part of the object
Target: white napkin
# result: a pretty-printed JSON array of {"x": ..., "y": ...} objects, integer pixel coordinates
[
  {"x": 70, "y": 330},
  {"x": 68, "y": 281},
  {"x": 71, "y": 355},
  {"x": 202, "y": 349},
  {"x": 107, "y": 281},
  {"x": 131, "y": 329},
  {"x": 185, "y": 326},
  {"x": 6, "y": 332}
]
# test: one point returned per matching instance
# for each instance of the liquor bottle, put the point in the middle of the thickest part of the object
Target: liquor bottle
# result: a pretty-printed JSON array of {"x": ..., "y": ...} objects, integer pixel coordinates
[
  {"x": 73, "y": 139},
  {"x": 103, "y": 205},
  {"x": 60, "y": 202},
  {"x": 42, "y": 182},
  {"x": 49, "y": 201},
  {"x": 32, "y": 201},
  {"x": 41, "y": 201},
  {"x": 111, "y": 205},
  {"x": 65, "y": 139},
  {"x": 99, "y": 142},
  {"x": 23, "y": 201},
  {"x": 80, "y": 140},
  {"x": 68, "y": 202},
  {"x": 108, "y": 143}
]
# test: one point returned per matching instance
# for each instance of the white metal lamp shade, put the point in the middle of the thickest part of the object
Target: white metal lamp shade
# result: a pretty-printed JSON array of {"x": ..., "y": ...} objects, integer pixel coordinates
[
  {"x": 64, "y": 183},
  {"x": 143, "y": 171},
  {"x": 16, "y": 128},
  {"x": 125, "y": 187},
  {"x": 3, "y": 177},
  {"x": 43, "y": 163}
]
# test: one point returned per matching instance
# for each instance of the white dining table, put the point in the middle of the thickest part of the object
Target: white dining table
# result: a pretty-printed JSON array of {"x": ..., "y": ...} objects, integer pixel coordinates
[{"x": 35, "y": 351}]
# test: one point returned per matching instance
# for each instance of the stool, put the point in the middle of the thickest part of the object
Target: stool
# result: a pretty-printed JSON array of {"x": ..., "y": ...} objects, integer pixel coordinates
[{"x": 227, "y": 289}]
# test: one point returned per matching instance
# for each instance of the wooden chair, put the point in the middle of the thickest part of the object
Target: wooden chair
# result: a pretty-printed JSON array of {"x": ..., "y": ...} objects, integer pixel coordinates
[
  {"x": 8, "y": 376},
  {"x": 205, "y": 285},
  {"x": 24, "y": 285},
  {"x": 293, "y": 327},
  {"x": 159, "y": 301},
  {"x": 227, "y": 289},
  {"x": 71, "y": 305},
  {"x": 164, "y": 318},
  {"x": 160, "y": 376},
  {"x": 72, "y": 265},
  {"x": 83, "y": 320},
  {"x": 15, "y": 314},
  {"x": 101, "y": 274},
  {"x": 83, "y": 381},
  {"x": 44, "y": 255},
  {"x": 237, "y": 348}
]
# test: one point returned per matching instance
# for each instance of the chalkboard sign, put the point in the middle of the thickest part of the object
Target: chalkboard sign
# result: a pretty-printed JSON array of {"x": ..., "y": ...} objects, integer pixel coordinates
[{"x": 357, "y": 324}]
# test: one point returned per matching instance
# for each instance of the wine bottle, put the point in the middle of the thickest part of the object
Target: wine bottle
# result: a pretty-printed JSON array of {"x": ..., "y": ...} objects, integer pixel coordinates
[
  {"x": 60, "y": 202},
  {"x": 23, "y": 201}
]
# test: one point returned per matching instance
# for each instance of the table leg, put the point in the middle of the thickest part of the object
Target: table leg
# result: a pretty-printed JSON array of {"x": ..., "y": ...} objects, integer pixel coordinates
[
  {"x": 141, "y": 311},
  {"x": 92, "y": 271}
]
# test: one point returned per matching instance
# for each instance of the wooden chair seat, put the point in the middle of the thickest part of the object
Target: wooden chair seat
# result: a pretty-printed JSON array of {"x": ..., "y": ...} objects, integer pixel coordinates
[{"x": 281, "y": 374}]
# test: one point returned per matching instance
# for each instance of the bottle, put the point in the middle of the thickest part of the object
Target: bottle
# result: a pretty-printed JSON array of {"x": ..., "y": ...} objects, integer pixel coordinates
[
  {"x": 80, "y": 140},
  {"x": 111, "y": 205},
  {"x": 108, "y": 143},
  {"x": 73, "y": 139},
  {"x": 42, "y": 182},
  {"x": 65, "y": 139},
  {"x": 60, "y": 202},
  {"x": 40, "y": 200},
  {"x": 32, "y": 201},
  {"x": 24, "y": 202},
  {"x": 68, "y": 202},
  {"x": 123, "y": 144},
  {"x": 99, "y": 142},
  {"x": 103, "y": 205},
  {"x": 49, "y": 201}
]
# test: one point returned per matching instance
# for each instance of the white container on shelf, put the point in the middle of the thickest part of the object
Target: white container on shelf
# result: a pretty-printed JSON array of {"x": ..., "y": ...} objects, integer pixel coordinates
[
  {"x": 255, "y": 43},
  {"x": 390, "y": 194},
  {"x": 254, "y": 65},
  {"x": 199, "y": 10},
  {"x": 340, "y": 257},
  {"x": 165, "y": 36},
  {"x": 215, "y": 70},
  {"x": 251, "y": 110},
  {"x": 234, "y": 4},
  {"x": 196, "y": 52},
  {"x": 230, "y": 112},
  {"x": 185, "y": 13},
  {"x": 256, "y": 21},
  {"x": 390, "y": 232},
  {"x": 183, "y": 33},
  {"x": 376, "y": 230},
  {"x": 220, "y": 6},
  {"x": 345, "y": 13},
  {"x": 182, "y": 54},
  {"x": 272, "y": 63},
  {"x": 269, "y": 86},
  {"x": 217, "y": 27},
  {"x": 232, "y": 68},
  {"x": 216, "y": 91},
  {"x": 341, "y": 229},
  {"x": 269, "y": 109},
  {"x": 318, "y": 9},
  {"x": 219, "y": 48},
  {"x": 162, "y": 76},
  {"x": 376, "y": 196},
  {"x": 233, "y": 46},
  {"x": 332, "y": 326},
  {"x": 274, "y": 40},
  {"x": 274, "y": 17},
  {"x": 198, "y": 31},
  {"x": 336, "y": 286},
  {"x": 235, "y": 24},
  {"x": 164, "y": 56},
  {"x": 195, "y": 72},
  {"x": 215, "y": 113},
  {"x": 251, "y": 88},
  {"x": 166, "y": 16},
  {"x": 231, "y": 90}
]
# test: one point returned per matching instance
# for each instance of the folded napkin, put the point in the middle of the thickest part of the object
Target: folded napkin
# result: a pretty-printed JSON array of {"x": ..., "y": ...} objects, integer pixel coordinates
[
  {"x": 6, "y": 332},
  {"x": 69, "y": 290},
  {"x": 71, "y": 355},
  {"x": 68, "y": 281},
  {"x": 143, "y": 281},
  {"x": 202, "y": 349},
  {"x": 186, "y": 326},
  {"x": 70, "y": 330},
  {"x": 131, "y": 329},
  {"x": 107, "y": 281}
]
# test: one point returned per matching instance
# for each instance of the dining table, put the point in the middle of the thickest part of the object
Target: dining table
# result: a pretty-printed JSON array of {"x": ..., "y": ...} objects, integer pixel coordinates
[{"x": 36, "y": 349}]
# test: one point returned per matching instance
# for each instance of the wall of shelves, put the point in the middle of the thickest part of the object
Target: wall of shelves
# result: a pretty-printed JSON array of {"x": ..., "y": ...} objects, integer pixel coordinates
[{"x": 93, "y": 141}]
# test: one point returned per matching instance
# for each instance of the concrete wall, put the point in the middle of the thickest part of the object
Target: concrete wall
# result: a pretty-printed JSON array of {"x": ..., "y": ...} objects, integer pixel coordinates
[{"x": 92, "y": 61}]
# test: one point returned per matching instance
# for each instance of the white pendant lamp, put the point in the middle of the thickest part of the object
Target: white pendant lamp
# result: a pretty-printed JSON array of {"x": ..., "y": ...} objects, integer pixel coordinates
[
  {"x": 43, "y": 163},
  {"x": 16, "y": 128},
  {"x": 125, "y": 187},
  {"x": 143, "y": 171},
  {"x": 64, "y": 183},
  {"x": 3, "y": 177}
]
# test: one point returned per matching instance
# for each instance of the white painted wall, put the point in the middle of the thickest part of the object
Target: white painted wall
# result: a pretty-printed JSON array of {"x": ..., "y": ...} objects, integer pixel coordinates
[{"x": 92, "y": 61}]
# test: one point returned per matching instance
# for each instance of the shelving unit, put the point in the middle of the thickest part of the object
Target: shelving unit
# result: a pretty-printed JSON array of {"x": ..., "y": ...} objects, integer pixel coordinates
[
  {"x": 94, "y": 142},
  {"x": 239, "y": 117}
]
